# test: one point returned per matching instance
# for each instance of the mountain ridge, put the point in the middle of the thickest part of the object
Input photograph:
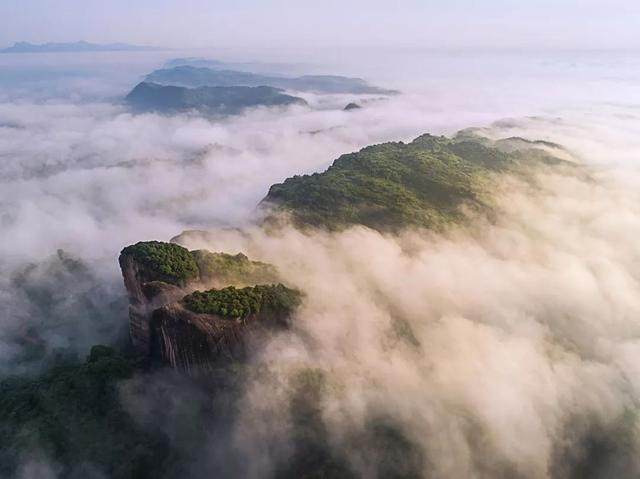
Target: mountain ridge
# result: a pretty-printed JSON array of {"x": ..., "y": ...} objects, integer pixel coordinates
[
  {"x": 79, "y": 46},
  {"x": 391, "y": 186},
  {"x": 199, "y": 76}
]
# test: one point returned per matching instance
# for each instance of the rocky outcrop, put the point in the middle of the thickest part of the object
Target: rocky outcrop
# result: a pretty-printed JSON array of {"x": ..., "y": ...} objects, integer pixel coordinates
[
  {"x": 172, "y": 322},
  {"x": 205, "y": 327},
  {"x": 195, "y": 343},
  {"x": 146, "y": 293}
]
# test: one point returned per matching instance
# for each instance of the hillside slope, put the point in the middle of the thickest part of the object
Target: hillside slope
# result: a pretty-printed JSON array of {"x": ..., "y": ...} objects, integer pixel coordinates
[{"x": 390, "y": 186}]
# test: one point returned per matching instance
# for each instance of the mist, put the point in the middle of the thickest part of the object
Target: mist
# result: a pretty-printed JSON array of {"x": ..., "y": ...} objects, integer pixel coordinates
[
  {"x": 471, "y": 341},
  {"x": 506, "y": 347}
]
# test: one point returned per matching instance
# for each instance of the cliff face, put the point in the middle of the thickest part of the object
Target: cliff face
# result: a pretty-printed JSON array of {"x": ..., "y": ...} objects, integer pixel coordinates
[
  {"x": 171, "y": 319},
  {"x": 194, "y": 343},
  {"x": 146, "y": 293}
]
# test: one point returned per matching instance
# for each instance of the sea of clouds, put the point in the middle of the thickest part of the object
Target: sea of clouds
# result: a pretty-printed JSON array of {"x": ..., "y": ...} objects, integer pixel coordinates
[{"x": 499, "y": 349}]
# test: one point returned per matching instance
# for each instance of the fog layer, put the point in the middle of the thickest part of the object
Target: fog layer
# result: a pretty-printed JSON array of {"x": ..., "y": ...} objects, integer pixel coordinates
[{"x": 499, "y": 349}]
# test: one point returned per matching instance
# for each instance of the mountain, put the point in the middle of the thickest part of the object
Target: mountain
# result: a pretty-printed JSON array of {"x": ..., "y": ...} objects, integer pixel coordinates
[
  {"x": 26, "y": 47},
  {"x": 193, "y": 76},
  {"x": 151, "y": 97},
  {"x": 193, "y": 311},
  {"x": 352, "y": 106},
  {"x": 119, "y": 414},
  {"x": 189, "y": 309},
  {"x": 390, "y": 186}
]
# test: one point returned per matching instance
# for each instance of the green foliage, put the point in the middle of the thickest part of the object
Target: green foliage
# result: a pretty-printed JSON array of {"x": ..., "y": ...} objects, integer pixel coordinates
[
  {"x": 239, "y": 303},
  {"x": 394, "y": 185},
  {"x": 231, "y": 302},
  {"x": 170, "y": 261},
  {"x": 73, "y": 415},
  {"x": 236, "y": 270}
]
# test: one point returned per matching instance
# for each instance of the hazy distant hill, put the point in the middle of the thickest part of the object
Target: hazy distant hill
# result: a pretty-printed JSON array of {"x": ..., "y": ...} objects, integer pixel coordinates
[
  {"x": 220, "y": 100},
  {"x": 26, "y": 47},
  {"x": 193, "y": 62},
  {"x": 191, "y": 76},
  {"x": 277, "y": 69}
]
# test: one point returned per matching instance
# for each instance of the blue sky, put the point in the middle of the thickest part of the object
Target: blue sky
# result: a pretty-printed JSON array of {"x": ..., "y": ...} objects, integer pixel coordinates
[{"x": 409, "y": 23}]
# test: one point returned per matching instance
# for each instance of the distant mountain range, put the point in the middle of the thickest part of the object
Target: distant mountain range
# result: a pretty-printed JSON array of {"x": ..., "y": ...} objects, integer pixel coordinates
[
  {"x": 26, "y": 47},
  {"x": 218, "y": 100},
  {"x": 211, "y": 88},
  {"x": 199, "y": 76}
]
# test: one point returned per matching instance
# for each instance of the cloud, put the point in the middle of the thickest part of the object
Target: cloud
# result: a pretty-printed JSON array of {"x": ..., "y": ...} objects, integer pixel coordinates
[
  {"x": 91, "y": 178},
  {"x": 505, "y": 348},
  {"x": 501, "y": 349},
  {"x": 469, "y": 342}
]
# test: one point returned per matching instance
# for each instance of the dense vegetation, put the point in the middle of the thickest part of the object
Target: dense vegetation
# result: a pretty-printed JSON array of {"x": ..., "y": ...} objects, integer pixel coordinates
[
  {"x": 393, "y": 185},
  {"x": 217, "y": 100},
  {"x": 112, "y": 417},
  {"x": 72, "y": 415},
  {"x": 236, "y": 270},
  {"x": 170, "y": 261},
  {"x": 239, "y": 303}
]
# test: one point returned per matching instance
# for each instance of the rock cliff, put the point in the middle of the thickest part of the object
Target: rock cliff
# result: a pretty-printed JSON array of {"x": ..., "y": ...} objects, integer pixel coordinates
[
  {"x": 196, "y": 333},
  {"x": 150, "y": 284},
  {"x": 176, "y": 320}
]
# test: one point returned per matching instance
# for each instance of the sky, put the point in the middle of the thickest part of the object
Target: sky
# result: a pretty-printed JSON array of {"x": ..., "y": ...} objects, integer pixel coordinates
[{"x": 565, "y": 24}]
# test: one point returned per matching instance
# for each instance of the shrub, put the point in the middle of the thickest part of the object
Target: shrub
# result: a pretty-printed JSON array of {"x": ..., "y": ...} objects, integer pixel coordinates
[
  {"x": 170, "y": 261},
  {"x": 236, "y": 303}
]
